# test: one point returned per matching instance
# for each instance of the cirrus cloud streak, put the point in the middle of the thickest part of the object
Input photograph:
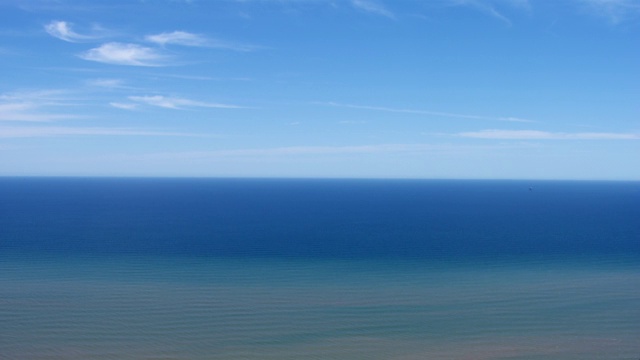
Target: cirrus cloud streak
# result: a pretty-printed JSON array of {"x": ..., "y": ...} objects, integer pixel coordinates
[
  {"x": 415, "y": 149},
  {"x": 116, "y": 53},
  {"x": 24, "y": 111},
  {"x": 184, "y": 38},
  {"x": 174, "y": 102},
  {"x": 62, "y": 30},
  {"x": 545, "y": 135},
  {"x": 429, "y": 113},
  {"x": 372, "y": 7},
  {"x": 53, "y": 131}
]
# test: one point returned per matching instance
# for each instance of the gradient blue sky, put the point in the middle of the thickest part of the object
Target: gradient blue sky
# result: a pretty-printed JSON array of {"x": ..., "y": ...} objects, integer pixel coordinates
[{"x": 522, "y": 89}]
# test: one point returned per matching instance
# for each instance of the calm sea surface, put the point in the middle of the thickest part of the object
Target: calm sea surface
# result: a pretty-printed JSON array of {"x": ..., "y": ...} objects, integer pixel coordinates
[{"x": 318, "y": 269}]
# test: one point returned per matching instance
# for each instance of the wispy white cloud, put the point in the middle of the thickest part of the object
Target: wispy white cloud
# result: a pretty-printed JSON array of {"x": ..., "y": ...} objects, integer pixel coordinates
[
  {"x": 324, "y": 150},
  {"x": 125, "y": 54},
  {"x": 177, "y": 103},
  {"x": 41, "y": 96},
  {"x": 25, "y": 112},
  {"x": 615, "y": 11},
  {"x": 301, "y": 151},
  {"x": 124, "y": 106},
  {"x": 373, "y": 7},
  {"x": 415, "y": 149},
  {"x": 32, "y": 105},
  {"x": 488, "y": 7},
  {"x": 515, "y": 119},
  {"x": 110, "y": 84},
  {"x": 496, "y": 14},
  {"x": 107, "y": 83},
  {"x": 178, "y": 38},
  {"x": 62, "y": 30},
  {"x": 54, "y": 131},
  {"x": 201, "y": 78},
  {"x": 184, "y": 38},
  {"x": 545, "y": 135},
  {"x": 429, "y": 113}
]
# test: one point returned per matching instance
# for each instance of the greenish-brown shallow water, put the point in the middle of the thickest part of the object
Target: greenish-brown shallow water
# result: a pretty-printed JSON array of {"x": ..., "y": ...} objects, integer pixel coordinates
[{"x": 138, "y": 308}]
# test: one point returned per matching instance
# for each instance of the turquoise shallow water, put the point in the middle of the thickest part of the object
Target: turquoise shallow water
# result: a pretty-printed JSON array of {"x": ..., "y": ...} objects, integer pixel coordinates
[{"x": 213, "y": 308}]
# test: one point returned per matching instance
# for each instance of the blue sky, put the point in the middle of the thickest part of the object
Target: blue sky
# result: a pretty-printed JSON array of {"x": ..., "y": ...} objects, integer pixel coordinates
[{"x": 516, "y": 89}]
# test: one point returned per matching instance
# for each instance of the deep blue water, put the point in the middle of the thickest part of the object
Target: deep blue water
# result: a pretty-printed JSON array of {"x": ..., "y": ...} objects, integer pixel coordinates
[
  {"x": 239, "y": 269},
  {"x": 318, "y": 218}
]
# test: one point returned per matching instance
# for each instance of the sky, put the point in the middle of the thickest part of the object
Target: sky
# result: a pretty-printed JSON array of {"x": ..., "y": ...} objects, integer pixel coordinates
[{"x": 437, "y": 89}]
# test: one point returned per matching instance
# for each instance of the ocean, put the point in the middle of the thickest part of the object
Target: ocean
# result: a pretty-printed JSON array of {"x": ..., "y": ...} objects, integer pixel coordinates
[{"x": 127, "y": 268}]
